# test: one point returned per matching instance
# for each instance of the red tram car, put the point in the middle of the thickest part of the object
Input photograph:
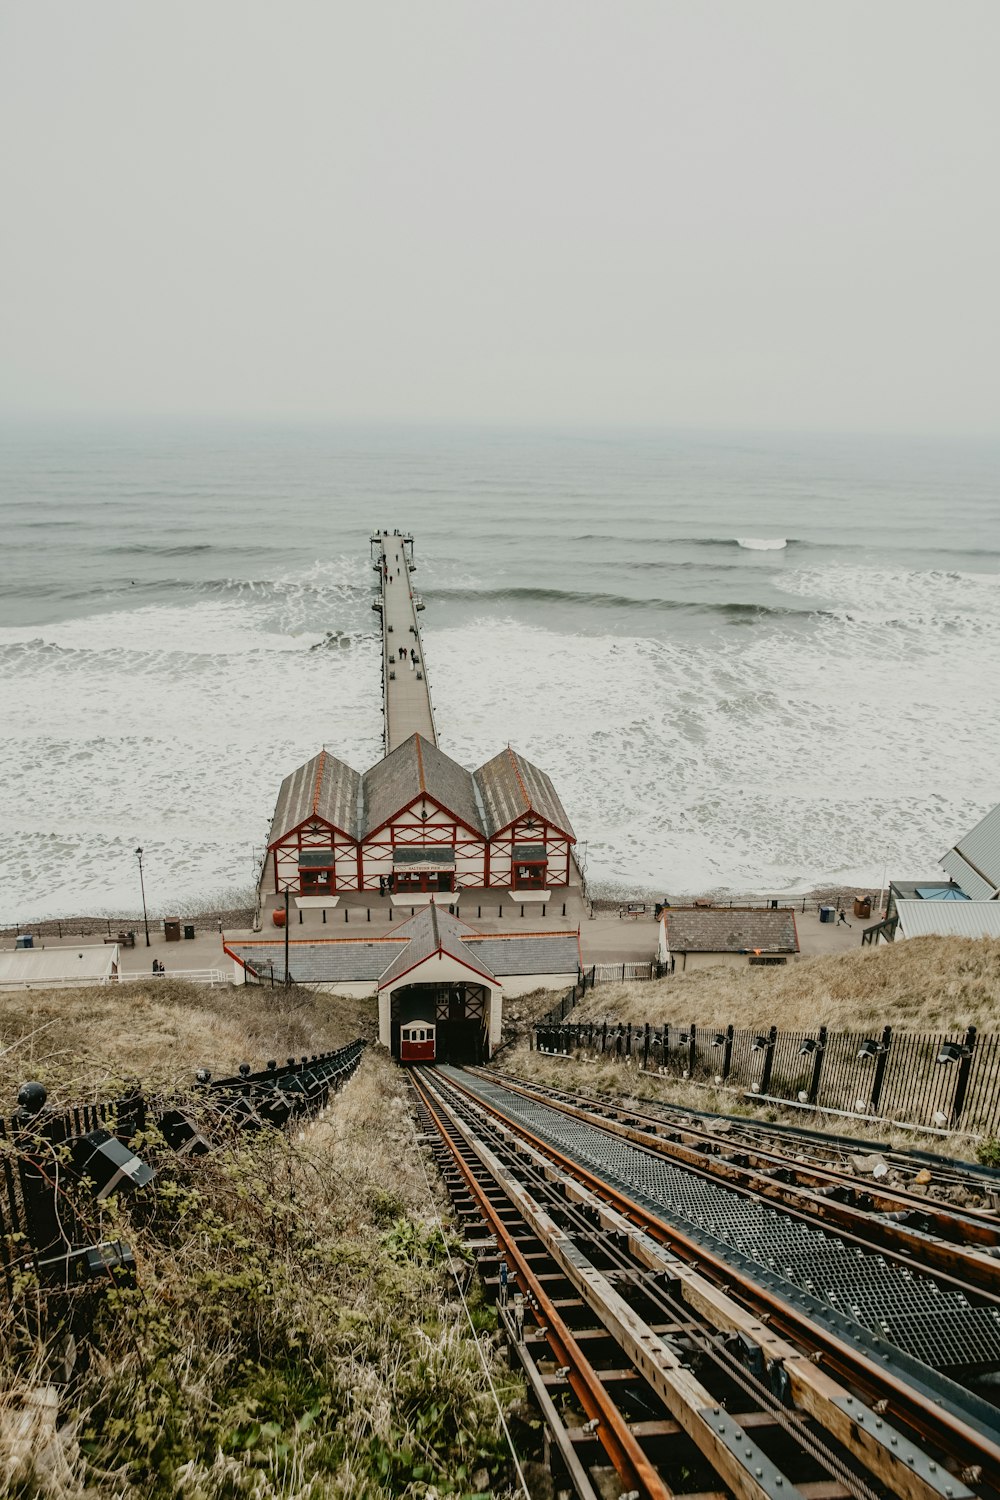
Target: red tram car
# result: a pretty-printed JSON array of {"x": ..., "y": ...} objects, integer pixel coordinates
[{"x": 416, "y": 1041}]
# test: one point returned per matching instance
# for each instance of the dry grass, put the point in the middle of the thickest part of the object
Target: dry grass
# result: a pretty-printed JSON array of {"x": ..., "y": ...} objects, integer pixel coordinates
[
  {"x": 161, "y": 1031},
  {"x": 925, "y": 984},
  {"x": 295, "y": 1331},
  {"x": 606, "y": 1076}
]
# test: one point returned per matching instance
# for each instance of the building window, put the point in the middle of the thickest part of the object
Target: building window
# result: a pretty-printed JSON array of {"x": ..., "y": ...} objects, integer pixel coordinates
[{"x": 768, "y": 958}]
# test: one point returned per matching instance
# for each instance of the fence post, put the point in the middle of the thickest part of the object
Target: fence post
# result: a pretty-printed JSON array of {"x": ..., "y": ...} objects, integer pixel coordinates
[
  {"x": 604, "y": 1037},
  {"x": 765, "y": 1077},
  {"x": 692, "y": 1053},
  {"x": 727, "y": 1052},
  {"x": 881, "y": 1063},
  {"x": 628, "y": 1040},
  {"x": 818, "y": 1055},
  {"x": 964, "y": 1071},
  {"x": 645, "y": 1048},
  {"x": 39, "y": 1178}
]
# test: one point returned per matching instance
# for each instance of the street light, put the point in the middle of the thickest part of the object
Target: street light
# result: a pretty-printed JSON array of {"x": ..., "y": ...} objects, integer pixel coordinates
[{"x": 142, "y": 887}]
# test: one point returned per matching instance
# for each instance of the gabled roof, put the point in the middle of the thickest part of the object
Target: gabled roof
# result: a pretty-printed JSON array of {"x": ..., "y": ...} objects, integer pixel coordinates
[
  {"x": 324, "y": 787},
  {"x": 432, "y": 931},
  {"x": 975, "y": 860},
  {"x": 415, "y": 768},
  {"x": 730, "y": 930},
  {"x": 387, "y": 958},
  {"x": 528, "y": 952},
  {"x": 331, "y": 961},
  {"x": 509, "y": 786}
]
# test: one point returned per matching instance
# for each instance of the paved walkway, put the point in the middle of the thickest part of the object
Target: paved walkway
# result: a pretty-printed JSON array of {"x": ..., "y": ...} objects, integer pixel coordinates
[{"x": 406, "y": 695}]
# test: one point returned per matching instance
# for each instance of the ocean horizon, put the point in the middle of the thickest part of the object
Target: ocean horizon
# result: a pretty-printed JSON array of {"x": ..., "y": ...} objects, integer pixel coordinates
[{"x": 749, "y": 662}]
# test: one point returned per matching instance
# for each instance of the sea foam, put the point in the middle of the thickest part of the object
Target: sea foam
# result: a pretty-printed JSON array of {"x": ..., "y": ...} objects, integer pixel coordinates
[{"x": 760, "y": 758}]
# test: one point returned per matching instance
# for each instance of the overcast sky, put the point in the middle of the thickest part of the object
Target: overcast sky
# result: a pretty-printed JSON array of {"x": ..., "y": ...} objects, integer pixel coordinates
[{"x": 775, "y": 213}]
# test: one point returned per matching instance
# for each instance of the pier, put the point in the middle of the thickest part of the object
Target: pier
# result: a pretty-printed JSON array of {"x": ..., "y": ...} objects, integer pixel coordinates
[{"x": 406, "y": 698}]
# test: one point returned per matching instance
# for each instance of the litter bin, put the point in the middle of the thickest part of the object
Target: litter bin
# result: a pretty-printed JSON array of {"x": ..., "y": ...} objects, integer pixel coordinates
[
  {"x": 863, "y": 906},
  {"x": 827, "y": 913},
  {"x": 24, "y": 940},
  {"x": 172, "y": 929},
  {"x": 189, "y": 929}
]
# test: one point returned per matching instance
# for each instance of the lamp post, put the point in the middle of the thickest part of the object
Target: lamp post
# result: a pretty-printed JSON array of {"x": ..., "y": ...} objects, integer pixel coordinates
[
  {"x": 288, "y": 977},
  {"x": 142, "y": 887}
]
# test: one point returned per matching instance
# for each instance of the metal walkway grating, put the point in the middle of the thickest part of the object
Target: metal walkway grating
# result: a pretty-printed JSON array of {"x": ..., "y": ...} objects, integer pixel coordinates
[{"x": 935, "y": 1324}]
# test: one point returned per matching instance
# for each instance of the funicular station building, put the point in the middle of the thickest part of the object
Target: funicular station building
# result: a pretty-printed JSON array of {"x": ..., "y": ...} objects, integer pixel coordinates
[{"x": 415, "y": 837}]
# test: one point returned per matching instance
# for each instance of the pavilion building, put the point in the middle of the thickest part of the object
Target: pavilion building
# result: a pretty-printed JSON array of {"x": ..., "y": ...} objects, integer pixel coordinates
[{"x": 417, "y": 822}]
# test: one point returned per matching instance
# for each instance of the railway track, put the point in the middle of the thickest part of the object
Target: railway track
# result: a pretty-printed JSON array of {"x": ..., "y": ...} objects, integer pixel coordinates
[
  {"x": 667, "y": 1362},
  {"x": 981, "y": 1184}
]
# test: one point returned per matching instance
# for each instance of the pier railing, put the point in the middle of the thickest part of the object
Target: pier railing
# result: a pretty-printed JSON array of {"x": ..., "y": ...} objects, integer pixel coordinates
[{"x": 930, "y": 1081}]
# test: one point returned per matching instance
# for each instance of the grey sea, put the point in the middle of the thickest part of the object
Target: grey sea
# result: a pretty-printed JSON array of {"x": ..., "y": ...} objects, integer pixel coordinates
[{"x": 748, "y": 663}]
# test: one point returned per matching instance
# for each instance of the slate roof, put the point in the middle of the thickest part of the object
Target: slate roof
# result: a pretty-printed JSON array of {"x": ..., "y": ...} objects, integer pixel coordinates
[
  {"x": 509, "y": 785},
  {"x": 432, "y": 931},
  {"x": 485, "y": 801},
  {"x": 528, "y": 953},
  {"x": 324, "y": 787},
  {"x": 975, "y": 860},
  {"x": 417, "y": 766},
  {"x": 334, "y": 961},
  {"x": 730, "y": 930},
  {"x": 357, "y": 960}
]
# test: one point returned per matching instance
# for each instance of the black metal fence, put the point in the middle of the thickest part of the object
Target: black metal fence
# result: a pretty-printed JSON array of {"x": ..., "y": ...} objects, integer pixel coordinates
[
  {"x": 928, "y": 1080},
  {"x": 57, "y": 1165}
]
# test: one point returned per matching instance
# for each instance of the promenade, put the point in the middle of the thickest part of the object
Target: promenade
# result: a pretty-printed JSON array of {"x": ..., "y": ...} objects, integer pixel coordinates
[{"x": 405, "y": 695}]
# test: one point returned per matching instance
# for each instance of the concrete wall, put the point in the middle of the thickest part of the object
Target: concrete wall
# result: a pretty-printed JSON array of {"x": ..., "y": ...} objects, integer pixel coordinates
[
  {"x": 523, "y": 984},
  {"x": 717, "y": 960}
]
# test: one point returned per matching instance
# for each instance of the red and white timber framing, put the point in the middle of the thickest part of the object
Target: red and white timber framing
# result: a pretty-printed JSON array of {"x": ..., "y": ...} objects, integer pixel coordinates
[{"x": 480, "y": 863}]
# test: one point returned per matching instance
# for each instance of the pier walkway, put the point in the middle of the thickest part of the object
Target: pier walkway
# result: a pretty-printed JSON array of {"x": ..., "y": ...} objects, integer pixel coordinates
[{"x": 406, "y": 697}]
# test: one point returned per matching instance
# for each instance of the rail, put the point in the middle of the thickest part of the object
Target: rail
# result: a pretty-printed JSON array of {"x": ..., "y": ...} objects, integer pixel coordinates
[
  {"x": 55, "y": 1162},
  {"x": 633, "y": 1328},
  {"x": 193, "y": 976},
  {"x": 927, "y": 1081}
]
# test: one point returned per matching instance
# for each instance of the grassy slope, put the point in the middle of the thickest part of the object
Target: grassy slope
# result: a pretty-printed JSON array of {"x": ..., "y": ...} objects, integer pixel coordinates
[
  {"x": 933, "y": 984},
  {"x": 296, "y": 1329},
  {"x": 161, "y": 1031},
  {"x": 926, "y": 984}
]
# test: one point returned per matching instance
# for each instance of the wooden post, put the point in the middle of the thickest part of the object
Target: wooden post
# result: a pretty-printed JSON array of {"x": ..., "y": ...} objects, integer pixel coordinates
[
  {"x": 964, "y": 1070},
  {"x": 881, "y": 1063},
  {"x": 727, "y": 1053},
  {"x": 765, "y": 1077},
  {"x": 645, "y": 1048},
  {"x": 818, "y": 1056}
]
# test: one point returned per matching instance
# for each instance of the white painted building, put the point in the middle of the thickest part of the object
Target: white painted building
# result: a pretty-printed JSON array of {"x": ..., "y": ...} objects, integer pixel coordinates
[{"x": 56, "y": 968}]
